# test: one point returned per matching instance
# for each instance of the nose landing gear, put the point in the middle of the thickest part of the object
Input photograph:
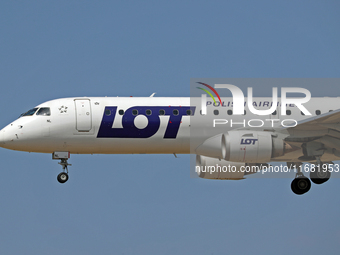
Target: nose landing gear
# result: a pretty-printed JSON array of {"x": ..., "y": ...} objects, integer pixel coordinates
[
  {"x": 63, "y": 176},
  {"x": 63, "y": 156}
]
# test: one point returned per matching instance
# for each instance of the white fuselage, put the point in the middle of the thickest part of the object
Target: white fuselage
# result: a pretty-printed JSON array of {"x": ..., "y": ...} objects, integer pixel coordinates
[
  {"x": 128, "y": 125},
  {"x": 73, "y": 126}
]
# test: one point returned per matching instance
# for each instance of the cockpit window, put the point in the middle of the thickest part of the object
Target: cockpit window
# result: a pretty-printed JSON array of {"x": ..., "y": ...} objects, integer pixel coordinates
[
  {"x": 29, "y": 113},
  {"x": 44, "y": 111}
]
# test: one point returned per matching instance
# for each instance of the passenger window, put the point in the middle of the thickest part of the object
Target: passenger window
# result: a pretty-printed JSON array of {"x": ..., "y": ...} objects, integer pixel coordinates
[
  {"x": 44, "y": 111},
  {"x": 30, "y": 112},
  {"x": 274, "y": 113},
  {"x": 288, "y": 112},
  {"x": 121, "y": 112},
  {"x": 216, "y": 112},
  {"x": 189, "y": 112},
  {"x": 230, "y": 112},
  {"x": 107, "y": 112},
  {"x": 175, "y": 112},
  {"x": 317, "y": 112},
  {"x": 134, "y": 112},
  {"x": 148, "y": 112},
  {"x": 161, "y": 112}
]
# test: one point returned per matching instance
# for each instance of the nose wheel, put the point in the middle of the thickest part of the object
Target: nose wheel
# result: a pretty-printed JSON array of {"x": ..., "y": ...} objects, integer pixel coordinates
[{"x": 63, "y": 176}]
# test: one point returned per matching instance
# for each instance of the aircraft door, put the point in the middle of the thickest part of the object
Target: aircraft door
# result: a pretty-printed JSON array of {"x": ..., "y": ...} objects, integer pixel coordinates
[{"x": 83, "y": 115}]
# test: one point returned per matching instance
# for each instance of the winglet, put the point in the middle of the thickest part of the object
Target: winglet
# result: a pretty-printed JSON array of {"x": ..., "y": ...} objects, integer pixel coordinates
[{"x": 153, "y": 94}]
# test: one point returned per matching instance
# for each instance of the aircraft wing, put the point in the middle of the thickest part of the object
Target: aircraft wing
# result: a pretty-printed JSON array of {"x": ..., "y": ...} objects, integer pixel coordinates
[
  {"x": 329, "y": 120},
  {"x": 324, "y": 128}
]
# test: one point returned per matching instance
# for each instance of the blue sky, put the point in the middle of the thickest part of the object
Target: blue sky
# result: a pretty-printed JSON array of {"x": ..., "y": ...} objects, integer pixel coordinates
[{"x": 148, "y": 204}]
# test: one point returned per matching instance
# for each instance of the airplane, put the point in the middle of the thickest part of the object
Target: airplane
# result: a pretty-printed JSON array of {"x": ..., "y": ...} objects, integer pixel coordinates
[{"x": 175, "y": 125}]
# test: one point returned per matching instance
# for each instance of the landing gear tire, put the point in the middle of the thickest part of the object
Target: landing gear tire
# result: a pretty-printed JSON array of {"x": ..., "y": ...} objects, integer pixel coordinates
[
  {"x": 320, "y": 176},
  {"x": 62, "y": 177},
  {"x": 300, "y": 185}
]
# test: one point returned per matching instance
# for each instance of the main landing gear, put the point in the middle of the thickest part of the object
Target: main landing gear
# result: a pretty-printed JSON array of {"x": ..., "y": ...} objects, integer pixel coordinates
[
  {"x": 320, "y": 174},
  {"x": 63, "y": 156},
  {"x": 301, "y": 184}
]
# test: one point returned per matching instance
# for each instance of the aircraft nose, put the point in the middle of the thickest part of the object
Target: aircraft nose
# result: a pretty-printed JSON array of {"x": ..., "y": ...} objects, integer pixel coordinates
[{"x": 5, "y": 137}]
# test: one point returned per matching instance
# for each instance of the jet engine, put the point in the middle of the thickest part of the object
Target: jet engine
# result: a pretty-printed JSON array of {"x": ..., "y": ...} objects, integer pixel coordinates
[{"x": 244, "y": 146}]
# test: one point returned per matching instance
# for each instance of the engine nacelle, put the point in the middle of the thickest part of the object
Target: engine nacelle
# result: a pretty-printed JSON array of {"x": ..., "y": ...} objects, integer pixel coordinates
[
  {"x": 212, "y": 168},
  {"x": 252, "y": 146},
  {"x": 214, "y": 147},
  {"x": 244, "y": 146}
]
